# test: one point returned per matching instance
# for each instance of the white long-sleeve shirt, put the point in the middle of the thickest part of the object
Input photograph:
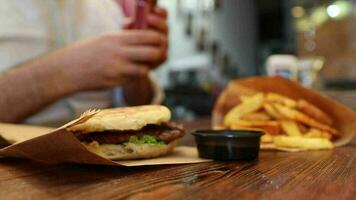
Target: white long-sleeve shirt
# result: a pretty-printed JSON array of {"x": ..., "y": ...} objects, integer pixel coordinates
[{"x": 30, "y": 28}]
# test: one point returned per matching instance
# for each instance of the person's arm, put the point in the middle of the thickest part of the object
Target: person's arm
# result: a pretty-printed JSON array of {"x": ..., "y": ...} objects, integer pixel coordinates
[
  {"x": 27, "y": 88},
  {"x": 102, "y": 62},
  {"x": 139, "y": 91}
]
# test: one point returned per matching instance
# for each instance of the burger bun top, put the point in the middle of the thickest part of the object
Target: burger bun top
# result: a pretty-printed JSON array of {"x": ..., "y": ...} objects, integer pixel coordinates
[{"x": 121, "y": 119}]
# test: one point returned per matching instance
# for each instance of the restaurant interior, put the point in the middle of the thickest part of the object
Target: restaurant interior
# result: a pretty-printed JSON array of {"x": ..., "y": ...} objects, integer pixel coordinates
[
  {"x": 221, "y": 99},
  {"x": 214, "y": 41}
]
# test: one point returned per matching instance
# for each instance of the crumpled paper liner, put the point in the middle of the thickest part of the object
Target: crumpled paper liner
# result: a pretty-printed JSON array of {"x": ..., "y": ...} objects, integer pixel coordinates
[
  {"x": 344, "y": 117},
  {"x": 60, "y": 146}
]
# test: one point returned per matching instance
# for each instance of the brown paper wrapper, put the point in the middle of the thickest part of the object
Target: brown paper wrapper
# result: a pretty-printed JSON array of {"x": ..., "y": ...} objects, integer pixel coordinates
[
  {"x": 344, "y": 117},
  {"x": 55, "y": 146}
]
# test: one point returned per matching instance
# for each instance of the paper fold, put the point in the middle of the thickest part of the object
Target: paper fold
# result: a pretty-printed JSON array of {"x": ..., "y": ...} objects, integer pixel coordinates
[{"x": 61, "y": 146}]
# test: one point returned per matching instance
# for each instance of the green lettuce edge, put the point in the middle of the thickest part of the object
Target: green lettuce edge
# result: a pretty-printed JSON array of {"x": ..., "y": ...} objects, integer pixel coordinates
[{"x": 145, "y": 139}]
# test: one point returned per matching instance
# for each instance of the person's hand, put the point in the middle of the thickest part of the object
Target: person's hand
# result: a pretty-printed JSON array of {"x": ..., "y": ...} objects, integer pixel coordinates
[
  {"x": 157, "y": 22},
  {"x": 110, "y": 59}
]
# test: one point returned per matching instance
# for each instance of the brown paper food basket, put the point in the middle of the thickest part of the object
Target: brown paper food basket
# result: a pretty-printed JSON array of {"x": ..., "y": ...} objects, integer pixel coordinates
[
  {"x": 344, "y": 117},
  {"x": 60, "y": 146}
]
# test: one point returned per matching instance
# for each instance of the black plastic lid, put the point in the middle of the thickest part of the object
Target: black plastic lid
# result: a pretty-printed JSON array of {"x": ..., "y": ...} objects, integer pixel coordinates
[{"x": 228, "y": 133}]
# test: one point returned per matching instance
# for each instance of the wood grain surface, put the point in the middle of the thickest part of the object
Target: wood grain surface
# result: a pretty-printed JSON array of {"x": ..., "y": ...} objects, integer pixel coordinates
[{"x": 275, "y": 175}]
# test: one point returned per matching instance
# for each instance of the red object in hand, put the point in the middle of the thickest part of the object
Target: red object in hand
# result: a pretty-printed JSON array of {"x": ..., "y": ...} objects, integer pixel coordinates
[{"x": 142, "y": 8}]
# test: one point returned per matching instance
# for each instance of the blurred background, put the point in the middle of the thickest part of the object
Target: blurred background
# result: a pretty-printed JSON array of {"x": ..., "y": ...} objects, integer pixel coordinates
[{"x": 214, "y": 41}]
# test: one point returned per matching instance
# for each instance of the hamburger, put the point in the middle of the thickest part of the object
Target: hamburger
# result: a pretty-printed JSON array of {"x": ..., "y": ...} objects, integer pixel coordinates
[{"x": 128, "y": 133}]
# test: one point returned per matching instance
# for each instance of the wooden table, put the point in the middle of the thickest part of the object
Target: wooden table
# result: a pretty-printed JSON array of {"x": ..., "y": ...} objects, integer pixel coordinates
[{"x": 275, "y": 175}]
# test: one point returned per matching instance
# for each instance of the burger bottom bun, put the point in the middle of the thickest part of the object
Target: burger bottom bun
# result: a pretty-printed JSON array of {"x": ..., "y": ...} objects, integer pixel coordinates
[{"x": 129, "y": 151}]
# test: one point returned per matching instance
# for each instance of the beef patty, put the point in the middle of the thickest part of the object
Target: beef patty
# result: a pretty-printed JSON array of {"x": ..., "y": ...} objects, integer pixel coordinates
[{"x": 167, "y": 132}]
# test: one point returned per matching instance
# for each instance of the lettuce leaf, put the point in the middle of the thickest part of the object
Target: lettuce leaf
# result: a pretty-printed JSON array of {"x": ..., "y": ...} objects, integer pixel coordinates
[{"x": 145, "y": 139}]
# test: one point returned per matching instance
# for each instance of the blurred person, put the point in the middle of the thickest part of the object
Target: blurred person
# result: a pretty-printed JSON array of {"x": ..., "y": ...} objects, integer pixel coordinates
[{"x": 59, "y": 58}]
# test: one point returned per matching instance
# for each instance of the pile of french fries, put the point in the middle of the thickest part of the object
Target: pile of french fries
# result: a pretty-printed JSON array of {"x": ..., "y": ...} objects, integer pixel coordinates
[{"x": 287, "y": 123}]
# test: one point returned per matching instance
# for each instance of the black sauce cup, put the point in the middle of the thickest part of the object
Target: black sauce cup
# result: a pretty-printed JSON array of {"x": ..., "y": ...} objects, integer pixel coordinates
[{"x": 228, "y": 145}]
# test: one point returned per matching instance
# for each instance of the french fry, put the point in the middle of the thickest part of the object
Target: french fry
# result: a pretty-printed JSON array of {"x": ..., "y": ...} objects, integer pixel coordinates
[
  {"x": 270, "y": 127},
  {"x": 256, "y": 116},
  {"x": 287, "y": 123},
  {"x": 267, "y": 138},
  {"x": 316, "y": 133},
  {"x": 244, "y": 98},
  {"x": 278, "y": 98},
  {"x": 272, "y": 111},
  {"x": 290, "y": 127},
  {"x": 313, "y": 111},
  {"x": 302, "y": 143},
  {"x": 250, "y": 105},
  {"x": 219, "y": 127},
  {"x": 304, "y": 119}
]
